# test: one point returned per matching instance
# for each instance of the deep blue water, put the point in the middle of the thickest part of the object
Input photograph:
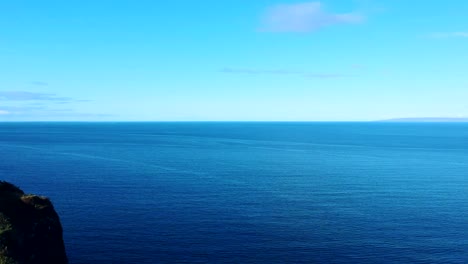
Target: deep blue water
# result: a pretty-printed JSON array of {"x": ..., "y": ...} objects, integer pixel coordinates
[{"x": 249, "y": 192}]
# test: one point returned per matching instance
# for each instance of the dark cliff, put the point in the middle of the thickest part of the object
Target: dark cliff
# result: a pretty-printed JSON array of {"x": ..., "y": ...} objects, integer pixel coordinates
[{"x": 30, "y": 229}]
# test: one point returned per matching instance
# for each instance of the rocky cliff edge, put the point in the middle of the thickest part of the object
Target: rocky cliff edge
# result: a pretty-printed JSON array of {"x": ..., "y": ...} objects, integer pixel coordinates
[{"x": 30, "y": 229}]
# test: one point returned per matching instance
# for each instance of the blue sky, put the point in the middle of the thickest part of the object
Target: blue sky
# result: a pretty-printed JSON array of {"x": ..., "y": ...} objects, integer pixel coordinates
[{"x": 169, "y": 60}]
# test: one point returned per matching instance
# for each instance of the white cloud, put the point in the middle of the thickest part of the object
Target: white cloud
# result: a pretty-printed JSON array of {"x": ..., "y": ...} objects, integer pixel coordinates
[
  {"x": 4, "y": 112},
  {"x": 303, "y": 17}
]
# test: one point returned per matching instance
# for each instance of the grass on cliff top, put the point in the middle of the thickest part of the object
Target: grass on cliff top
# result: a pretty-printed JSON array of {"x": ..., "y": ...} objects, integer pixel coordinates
[{"x": 5, "y": 230}]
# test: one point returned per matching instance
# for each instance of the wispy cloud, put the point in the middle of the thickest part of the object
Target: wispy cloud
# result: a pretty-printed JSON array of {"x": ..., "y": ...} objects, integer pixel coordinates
[
  {"x": 303, "y": 17},
  {"x": 31, "y": 96},
  {"x": 29, "y": 112},
  {"x": 358, "y": 66},
  {"x": 23, "y": 105},
  {"x": 39, "y": 83},
  {"x": 254, "y": 71},
  {"x": 458, "y": 34},
  {"x": 11, "y": 109},
  {"x": 324, "y": 75},
  {"x": 282, "y": 72}
]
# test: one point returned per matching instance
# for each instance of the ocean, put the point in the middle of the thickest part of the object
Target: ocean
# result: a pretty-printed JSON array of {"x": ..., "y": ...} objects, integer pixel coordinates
[{"x": 248, "y": 192}]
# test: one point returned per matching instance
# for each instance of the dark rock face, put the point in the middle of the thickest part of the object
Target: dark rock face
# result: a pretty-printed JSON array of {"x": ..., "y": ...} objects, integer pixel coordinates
[{"x": 30, "y": 229}]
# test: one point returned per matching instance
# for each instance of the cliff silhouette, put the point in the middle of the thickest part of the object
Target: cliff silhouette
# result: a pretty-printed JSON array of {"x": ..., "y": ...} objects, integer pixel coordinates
[{"x": 30, "y": 229}]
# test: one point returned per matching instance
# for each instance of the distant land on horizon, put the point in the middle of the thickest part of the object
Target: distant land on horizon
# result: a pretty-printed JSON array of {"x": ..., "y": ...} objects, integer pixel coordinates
[{"x": 427, "y": 119}]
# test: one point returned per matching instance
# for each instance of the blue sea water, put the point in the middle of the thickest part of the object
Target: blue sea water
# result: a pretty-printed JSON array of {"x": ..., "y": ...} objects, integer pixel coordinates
[{"x": 249, "y": 192}]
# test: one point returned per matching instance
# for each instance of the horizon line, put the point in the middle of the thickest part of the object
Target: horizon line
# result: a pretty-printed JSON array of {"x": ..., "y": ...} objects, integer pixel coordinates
[{"x": 393, "y": 120}]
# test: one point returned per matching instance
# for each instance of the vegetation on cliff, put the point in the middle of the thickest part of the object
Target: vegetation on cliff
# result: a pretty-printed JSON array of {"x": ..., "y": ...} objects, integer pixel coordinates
[{"x": 30, "y": 229}]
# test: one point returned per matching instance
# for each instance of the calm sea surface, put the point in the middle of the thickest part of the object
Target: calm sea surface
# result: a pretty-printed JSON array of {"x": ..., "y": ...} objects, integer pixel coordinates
[{"x": 249, "y": 192}]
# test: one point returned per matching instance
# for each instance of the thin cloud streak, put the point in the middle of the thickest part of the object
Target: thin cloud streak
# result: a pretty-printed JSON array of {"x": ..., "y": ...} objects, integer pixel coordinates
[
  {"x": 39, "y": 83},
  {"x": 324, "y": 75},
  {"x": 253, "y": 71},
  {"x": 36, "y": 106},
  {"x": 282, "y": 72},
  {"x": 31, "y": 96},
  {"x": 303, "y": 17},
  {"x": 459, "y": 34},
  {"x": 12, "y": 109},
  {"x": 39, "y": 112}
]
